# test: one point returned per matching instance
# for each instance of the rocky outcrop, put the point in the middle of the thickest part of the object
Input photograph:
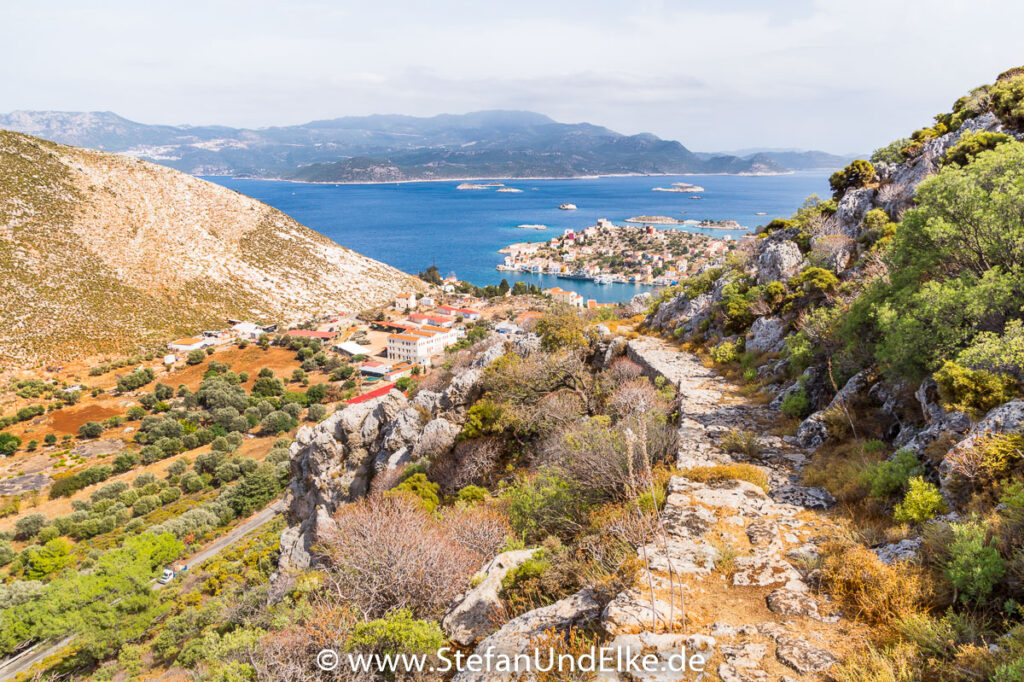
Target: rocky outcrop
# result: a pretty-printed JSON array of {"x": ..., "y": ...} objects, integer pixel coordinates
[
  {"x": 518, "y": 635},
  {"x": 473, "y": 615},
  {"x": 334, "y": 461},
  {"x": 766, "y": 335},
  {"x": 778, "y": 261},
  {"x": 1006, "y": 418}
]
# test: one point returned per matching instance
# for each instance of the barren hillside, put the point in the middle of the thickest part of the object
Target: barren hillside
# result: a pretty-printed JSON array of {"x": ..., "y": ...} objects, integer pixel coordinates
[{"x": 102, "y": 253}]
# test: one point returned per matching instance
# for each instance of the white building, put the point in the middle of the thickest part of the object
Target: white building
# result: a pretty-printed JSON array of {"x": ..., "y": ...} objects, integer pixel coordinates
[
  {"x": 190, "y": 343},
  {"x": 559, "y": 295},
  {"x": 405, "y": 301},
  {"x": 410, "y": 348},
  {"x": 248, "y": 330}
]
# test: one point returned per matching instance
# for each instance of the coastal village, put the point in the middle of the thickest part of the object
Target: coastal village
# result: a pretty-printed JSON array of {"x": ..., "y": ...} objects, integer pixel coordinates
[{"x": 606, "y": 253}]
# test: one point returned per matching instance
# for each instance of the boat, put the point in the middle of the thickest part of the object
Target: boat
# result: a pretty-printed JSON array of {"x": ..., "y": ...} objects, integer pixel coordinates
[
  {"x": 603, "y": 279},
  {"x": 696, "y": 196},
  {"x": 761, "y": 213},
  {"x": 567, "y": 207}
]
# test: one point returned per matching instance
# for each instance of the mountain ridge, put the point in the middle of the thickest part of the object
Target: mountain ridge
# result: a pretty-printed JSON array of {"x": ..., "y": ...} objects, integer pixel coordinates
[{"x": 389, "y": 147}]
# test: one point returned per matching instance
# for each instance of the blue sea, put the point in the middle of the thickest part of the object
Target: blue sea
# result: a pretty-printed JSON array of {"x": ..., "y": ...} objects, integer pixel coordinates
[{"x": 417, "y": 224}]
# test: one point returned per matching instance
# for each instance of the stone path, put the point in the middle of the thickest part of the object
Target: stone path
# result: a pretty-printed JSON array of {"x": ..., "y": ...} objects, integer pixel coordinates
[{"x": 729, "y": 575}]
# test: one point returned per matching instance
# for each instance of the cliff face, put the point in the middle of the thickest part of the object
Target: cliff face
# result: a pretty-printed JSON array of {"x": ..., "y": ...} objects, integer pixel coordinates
[{"x": 102, "y": 253}]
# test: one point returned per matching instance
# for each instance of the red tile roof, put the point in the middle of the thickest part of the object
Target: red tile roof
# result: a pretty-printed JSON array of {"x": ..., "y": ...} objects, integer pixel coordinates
[{"x": 375, "y": 393}]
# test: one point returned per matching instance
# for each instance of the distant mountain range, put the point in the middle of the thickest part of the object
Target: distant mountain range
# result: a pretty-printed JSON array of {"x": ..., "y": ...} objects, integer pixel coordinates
[{"x": 485, "y": 144}]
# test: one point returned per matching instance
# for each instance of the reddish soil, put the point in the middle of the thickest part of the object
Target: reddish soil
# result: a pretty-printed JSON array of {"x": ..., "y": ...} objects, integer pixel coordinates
[{"x": 70, "y": 418}]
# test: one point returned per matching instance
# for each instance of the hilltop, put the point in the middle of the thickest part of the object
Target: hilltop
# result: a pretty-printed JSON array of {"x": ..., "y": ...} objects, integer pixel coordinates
[
  {"x": 103, "y": 253},
  {"x": 390, "y": 147}
]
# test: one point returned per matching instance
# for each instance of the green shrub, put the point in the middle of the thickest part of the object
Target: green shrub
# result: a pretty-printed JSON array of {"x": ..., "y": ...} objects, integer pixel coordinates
[
  {"x": 544, "y": 505},
  {"x": 472, "y": 494},
  {"x": 727, "y": 352},
  {"x": 891, "y": 153},
  {"x": 796, "y": 404},
  {"x": 887, "y": 478},
  {"x": 28, "y": 526},
  {"x": 974, "y": 566},
  {"x": 997, "y": 353},
  {"x": 859, "y": 173},
  {"x": 90, "y": 430},
  {"x": 814, "y": 281},
  {"x": 9, "y": 444},
  {"x": 195, "y": 357},
  {"x": 1007, "y": 96},
  {"x": 971, "y": 144},
  {"x": 922, "y": 502},
  {"x": 420, "y": 487},
  {"x": 974, "y": 391},
  {"x": 482, "y": 419},
  {"x": 396, "y": 633}
]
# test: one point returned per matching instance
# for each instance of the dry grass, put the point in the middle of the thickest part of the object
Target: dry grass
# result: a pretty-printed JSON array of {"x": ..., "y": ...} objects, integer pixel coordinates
[
  {"x": 742, "y": 442},
  {"x": 728, "y": 472},
  {"x": 898, "y": 663},
  {"x": 869, "y": 590}
]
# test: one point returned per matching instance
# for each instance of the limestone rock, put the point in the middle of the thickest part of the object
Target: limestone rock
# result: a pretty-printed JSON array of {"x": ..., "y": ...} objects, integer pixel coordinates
[
  {"x": 471, "y": 617},
  {"x": 765, "y": 335},
  {"x": 779, "y": 260},
  {"x": 801, "y": 655},
  {"x": 639, "y": 303},
  {"x": 792, "y": 603},
  {"x": 904, "y": 550},
  {"x": 517, "y": 635}
]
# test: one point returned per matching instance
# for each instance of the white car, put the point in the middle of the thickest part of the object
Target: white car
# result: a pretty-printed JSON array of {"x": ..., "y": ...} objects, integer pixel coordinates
[{"x": 168, "y": 576}]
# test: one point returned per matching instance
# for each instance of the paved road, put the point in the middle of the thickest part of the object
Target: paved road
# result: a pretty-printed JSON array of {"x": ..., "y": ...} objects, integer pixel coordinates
[{"x": 37, "y": 653}]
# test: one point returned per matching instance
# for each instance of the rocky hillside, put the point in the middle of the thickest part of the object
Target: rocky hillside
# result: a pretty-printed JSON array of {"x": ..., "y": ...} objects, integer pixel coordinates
[
  {"x": 886, "y": 323},
  {"x": 103, "y": 253}
]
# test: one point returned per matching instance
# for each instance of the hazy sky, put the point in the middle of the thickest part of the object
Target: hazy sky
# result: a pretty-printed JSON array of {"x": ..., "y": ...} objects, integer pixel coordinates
[{"x": 836, "y": 75}]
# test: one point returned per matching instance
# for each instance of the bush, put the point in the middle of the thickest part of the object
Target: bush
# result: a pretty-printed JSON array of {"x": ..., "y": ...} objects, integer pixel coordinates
[
  {"x": 728, "y": 472},
  {"x": 396, "y": 633},
  {"x": 887, "y": 478},
  {"x": 997, "y": 353},
  {"x": 90, "y": 430},
  {"x": 546, "y": 504},
  {"x": 974, "y": 566},
  {"x": 974, "y": 391},
  {"x": 419, "y": 487},
  {"x": 859, "y": 173},
  {"x": 195, "y": 357},
  {"x": 135, "y": 380},
  {"x": 28, "y": 526},
  {"x": 277, "y": 422},
  {"x": 971, "y": 144},
  {"x": 814, "y": 281},
  {"x": 922, "y": 502},
  {"x": 743, "y": 442},
  {"x": 386, "y": 553},
  {"x": 9, "y": 444},
  {"x": 1007, "y": 96},
  {"x": 891, "y": 153},
  {"x": 868, "y": 589},
  {"x": 727, "y": 352},
  {"x": 472, "y": 494},
  {"x": 316, "y": 412},
  {"x": 796, "y": 404},
  {"x": 145, "y": 505}
]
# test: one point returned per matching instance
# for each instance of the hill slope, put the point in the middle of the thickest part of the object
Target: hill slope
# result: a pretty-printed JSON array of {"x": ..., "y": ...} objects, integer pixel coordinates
[
  {"x": 376, "y": 148},
  {"x": 102, "y": 253}
]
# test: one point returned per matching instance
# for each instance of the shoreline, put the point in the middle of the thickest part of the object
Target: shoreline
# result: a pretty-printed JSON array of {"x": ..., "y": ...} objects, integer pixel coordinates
[{"x": 502, "y": 179}]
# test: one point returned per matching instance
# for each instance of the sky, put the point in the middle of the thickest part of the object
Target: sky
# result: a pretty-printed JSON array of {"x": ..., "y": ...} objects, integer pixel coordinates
[{"x": 840, "y": 76}]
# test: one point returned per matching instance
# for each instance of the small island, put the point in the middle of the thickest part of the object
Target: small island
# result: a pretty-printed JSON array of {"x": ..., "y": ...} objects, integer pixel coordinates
[
  {"x": 567, "y": 207},
  {"x": 532, "y": 227},
  {"x": 472, "y": 185},
  {"x": 511, "y": 190},
  {"x": 684, "y": 187},
  {"x": 653, "y": 220}
]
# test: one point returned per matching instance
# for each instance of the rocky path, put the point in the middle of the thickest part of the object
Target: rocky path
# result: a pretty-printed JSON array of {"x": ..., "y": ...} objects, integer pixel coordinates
[{"x": 729, "y": 574}]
